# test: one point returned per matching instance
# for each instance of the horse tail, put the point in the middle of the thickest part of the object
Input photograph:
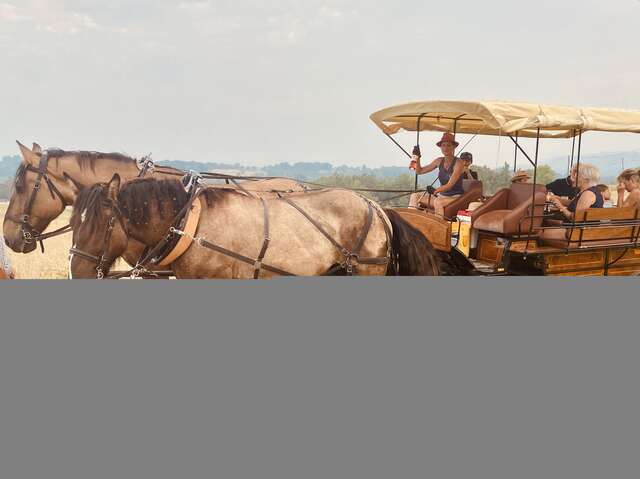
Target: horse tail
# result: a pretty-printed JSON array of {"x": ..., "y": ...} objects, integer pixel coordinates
[{"x": 412, "y": 253}]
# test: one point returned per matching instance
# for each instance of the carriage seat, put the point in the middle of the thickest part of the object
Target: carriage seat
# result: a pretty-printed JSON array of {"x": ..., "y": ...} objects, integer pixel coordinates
[
  {"x": 505, "y": 212},
  {"x": 472, "y": 192},
  {"x": 596, "y": 227}
]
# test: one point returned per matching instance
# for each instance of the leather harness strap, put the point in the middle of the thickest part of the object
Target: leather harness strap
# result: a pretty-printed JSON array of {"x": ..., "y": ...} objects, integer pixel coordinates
[
  {"x": 349, "y": 256},
  {"x": 265, "y": 243},
  {"x": 244, "y": 259}
]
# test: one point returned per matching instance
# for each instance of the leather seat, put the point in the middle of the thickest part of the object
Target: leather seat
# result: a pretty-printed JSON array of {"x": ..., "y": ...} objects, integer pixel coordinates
[
  {"x": 505, "y": 212},
  {"x": 472, "y": 192}
]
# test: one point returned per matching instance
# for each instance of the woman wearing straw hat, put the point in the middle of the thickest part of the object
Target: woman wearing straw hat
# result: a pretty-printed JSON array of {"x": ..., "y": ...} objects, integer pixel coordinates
[
  {"x": 520, "y": 177},
  {"x": 450, "y": 171}
]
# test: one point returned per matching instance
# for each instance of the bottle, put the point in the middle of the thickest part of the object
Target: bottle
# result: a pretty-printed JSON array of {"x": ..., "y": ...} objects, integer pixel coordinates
[{"x": 415, "y": 156}]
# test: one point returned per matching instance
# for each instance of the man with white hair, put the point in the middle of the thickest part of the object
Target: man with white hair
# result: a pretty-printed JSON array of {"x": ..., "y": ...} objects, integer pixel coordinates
[{"x": 586, "y": 178}]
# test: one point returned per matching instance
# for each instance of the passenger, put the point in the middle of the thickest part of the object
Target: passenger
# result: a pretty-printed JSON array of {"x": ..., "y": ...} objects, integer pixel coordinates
[
  {"x": 467, "y": 160},
  {"x": 629, "y": 182},
  {"x": 520, "y": 177},
  {"x": 563, "y": 187},
  {"x": 606, "y": 195},
  {"x": 589, "y": 196},
  {"x": 6, "y": 271},
  {"x": 449, "y": 174}
]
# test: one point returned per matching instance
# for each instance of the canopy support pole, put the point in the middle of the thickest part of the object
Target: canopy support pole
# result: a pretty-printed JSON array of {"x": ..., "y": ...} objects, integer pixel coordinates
[
  {"x": 533, "y": 189},
  {"x": 515, "y": 154},
  {"x": 398, "y": 145},
  {"x": 524, "y": 152},
  {"x": 573, "y": 148},
  {"x": 415, "y": 184},
  {"x": 573, "y": 221}
]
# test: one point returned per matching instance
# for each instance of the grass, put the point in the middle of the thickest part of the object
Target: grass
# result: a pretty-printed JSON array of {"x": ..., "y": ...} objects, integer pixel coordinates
[{"x": 54, "y": 263}]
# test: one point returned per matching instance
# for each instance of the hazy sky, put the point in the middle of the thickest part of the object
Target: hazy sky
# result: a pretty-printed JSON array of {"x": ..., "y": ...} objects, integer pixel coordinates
[{"x": 263, "y": 81}]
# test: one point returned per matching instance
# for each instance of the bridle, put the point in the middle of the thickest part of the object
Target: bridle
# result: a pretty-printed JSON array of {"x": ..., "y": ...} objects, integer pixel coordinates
[
  {"x": 29, "y": 233},
  {"x": 101, "y": 260}
]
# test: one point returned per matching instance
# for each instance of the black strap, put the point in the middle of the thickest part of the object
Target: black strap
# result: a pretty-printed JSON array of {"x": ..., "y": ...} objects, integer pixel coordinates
[
  {"x": 316, "y": 224},
  {"x": 265, "y": 243},
  {"x": 244, "y": 259},
  {"x": 365, "y": 232},
  {"x": 242, "y": 188}
]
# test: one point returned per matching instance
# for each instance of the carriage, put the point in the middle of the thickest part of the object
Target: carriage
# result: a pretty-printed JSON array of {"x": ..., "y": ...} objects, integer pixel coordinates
[{"x": 505, "y": 236}]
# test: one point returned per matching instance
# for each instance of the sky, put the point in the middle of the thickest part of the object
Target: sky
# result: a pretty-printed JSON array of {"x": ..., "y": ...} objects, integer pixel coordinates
[{"x": 264, "y": 81}]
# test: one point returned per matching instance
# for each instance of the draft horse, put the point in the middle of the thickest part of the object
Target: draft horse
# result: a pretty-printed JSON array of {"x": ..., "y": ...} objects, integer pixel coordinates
[
  {"x": 238, "y": 236},
  {"x": 47, "y": 181}
]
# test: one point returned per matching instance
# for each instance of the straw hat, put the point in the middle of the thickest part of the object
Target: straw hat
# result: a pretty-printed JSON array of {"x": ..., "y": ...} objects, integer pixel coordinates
[
  {"x": 448, "y": 137},
  {"x": 520, "y": 175}
]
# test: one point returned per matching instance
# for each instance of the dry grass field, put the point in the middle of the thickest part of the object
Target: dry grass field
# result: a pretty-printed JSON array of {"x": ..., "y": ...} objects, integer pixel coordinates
[{"x": 53, "y": 264}]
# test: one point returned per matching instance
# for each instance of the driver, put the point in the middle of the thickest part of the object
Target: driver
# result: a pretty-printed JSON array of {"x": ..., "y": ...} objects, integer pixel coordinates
[{"x": 450, "y": 170}]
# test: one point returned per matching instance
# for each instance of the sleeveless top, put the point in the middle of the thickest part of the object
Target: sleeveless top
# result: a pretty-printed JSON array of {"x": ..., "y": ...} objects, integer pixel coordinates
[
  {"x": 444, "y": 175},
  {"x": 599, "y": 203}
]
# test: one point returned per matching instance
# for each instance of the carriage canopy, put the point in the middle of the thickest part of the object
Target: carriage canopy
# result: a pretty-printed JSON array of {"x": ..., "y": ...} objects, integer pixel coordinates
[{"x": 504, "y": 118}]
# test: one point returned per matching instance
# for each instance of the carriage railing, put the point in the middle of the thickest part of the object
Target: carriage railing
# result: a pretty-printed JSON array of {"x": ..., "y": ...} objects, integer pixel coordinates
[{"x": 569, "y": 225}]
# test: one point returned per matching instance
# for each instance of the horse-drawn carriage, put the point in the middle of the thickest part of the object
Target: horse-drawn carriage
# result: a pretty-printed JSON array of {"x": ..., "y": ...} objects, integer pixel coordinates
[
  {"x": 274, "y": 227},
  {"x": 506, "y": 235}
]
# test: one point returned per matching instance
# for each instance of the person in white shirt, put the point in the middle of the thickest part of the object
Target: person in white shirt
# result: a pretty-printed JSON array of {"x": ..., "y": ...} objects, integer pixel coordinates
[{"x": 6, "y": 271}]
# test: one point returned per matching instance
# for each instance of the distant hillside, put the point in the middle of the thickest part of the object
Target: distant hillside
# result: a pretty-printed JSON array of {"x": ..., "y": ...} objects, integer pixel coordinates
[
  {"x": 610, "y": 164},
  {"x": 8, "y": 166},
  {"x": 301, "y": 171}
]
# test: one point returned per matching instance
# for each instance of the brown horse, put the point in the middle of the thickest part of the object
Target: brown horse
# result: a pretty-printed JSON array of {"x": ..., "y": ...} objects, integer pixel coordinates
[
  {"x": 309, "y": 234},
  {"x": 64, "y": 173}
]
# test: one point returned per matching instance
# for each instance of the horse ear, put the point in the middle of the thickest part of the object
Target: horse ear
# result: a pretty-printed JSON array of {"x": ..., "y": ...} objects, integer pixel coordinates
[
  {"x": 29, "y": 157},
  {"x": 75, "y": 185},
  {"x": 114, "y": 187},
  {"x": 36, "y": 148}
]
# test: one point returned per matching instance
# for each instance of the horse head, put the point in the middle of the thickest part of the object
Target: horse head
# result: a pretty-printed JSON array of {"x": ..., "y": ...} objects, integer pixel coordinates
[{"x": 99, "y": 231}]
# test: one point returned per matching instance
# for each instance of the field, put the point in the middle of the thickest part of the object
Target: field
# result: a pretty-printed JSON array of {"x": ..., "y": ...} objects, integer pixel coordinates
[{"x": 54, "y": 263}]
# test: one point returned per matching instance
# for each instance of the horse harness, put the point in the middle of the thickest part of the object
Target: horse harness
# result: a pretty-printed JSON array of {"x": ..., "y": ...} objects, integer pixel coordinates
[
  {"x": 155, "y": 255},
  {"x": 102, "y": 260},
  {"x": 29, "y": 233}
]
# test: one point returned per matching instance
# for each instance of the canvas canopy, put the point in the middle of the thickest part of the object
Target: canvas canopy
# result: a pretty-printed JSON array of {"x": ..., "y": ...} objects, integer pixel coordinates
[{"x": 504, "y": 118}]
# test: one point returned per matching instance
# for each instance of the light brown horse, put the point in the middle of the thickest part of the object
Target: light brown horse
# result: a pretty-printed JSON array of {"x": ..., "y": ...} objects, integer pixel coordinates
[
  {"x": 65, "y": 173},
  {"x": 106, "y": 216}
]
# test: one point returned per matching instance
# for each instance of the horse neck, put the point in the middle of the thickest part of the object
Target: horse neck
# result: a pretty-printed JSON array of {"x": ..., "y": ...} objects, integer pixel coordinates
[
  {"x": 87, "y": 173},
  {"x": 153, "y": 231}
]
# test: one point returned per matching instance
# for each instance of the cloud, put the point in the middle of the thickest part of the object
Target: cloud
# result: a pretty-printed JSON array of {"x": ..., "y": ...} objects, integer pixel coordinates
[
  {"x": 11, "y": 14},
  {"x": 68, "y": 23}
]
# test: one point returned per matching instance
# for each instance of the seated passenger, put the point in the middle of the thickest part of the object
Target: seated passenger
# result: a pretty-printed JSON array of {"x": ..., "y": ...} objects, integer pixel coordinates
[
  {"x": 520, "y": 177},
  {"x": 606, "y": 195},
  {"x": 589, "y": 196},
  {"x": 563, "y": 187},
  {"x": 629, "y": 188},
  {"x": 450, "y": 171},
  {"x": 467, "y": 161}
]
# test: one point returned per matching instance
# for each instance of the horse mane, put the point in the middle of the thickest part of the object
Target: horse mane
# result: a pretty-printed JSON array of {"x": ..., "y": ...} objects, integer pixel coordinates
[
  {"x": 135, "y": 195},
  {"x": 88, "y": 206},
  {"x": 19, "y": 179},
  {"x": 87, "y": 159}
]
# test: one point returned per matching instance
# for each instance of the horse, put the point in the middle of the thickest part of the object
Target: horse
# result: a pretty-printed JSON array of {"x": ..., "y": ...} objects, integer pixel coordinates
[
  {"x": 329, "y": 231},
  {"x": 64, "y": 173}
]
